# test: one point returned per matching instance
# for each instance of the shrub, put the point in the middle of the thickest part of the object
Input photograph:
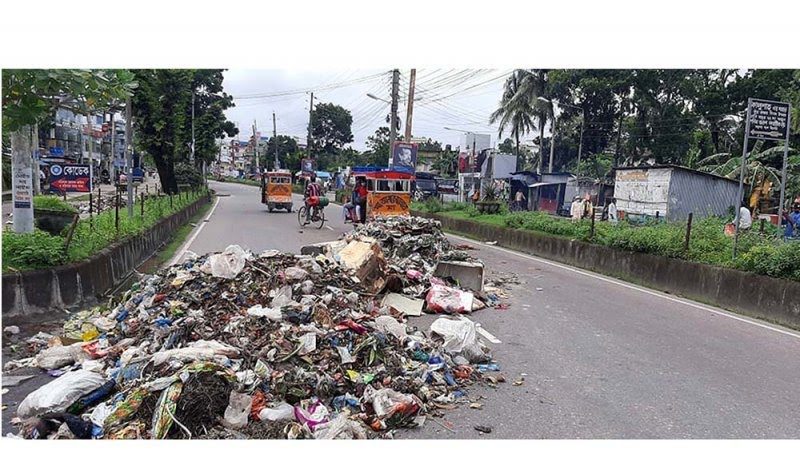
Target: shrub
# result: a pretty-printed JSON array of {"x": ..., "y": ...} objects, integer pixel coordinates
[
  {"x": 772, "y": 260},
  {"x": 186, "y": 173},
  {"x": 52, "y": 202},
  {"x": 25, "y": 251}
]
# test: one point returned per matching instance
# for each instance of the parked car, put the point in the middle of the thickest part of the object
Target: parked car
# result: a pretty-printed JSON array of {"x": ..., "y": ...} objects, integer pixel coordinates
[
  {"x": 424, "y": 186},
  {"x": 447, "y": 186}
]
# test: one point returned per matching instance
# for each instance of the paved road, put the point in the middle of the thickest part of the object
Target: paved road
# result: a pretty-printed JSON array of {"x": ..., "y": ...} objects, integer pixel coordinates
[{"x": 600, "y": 358}]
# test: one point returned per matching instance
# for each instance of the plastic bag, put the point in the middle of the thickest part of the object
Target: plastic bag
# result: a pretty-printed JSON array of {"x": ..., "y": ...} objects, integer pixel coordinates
[
  {"x": 227, "y": 264},
  {"x": 443, "y": 299},
  {"x": 59, "y": 356},
  {"x": 390, "y": 325},
  {"x": 197, "y": 351},
  {"x": 279, "y": 412},
  {"x": 308, "y": 342},
  {"x": 164, "y": 414},
  {"x": 311, "y": 412},
  {"x": 295, "y": 274},
  {"x": 342, "y": 427},
  {"x": 60, "y": 393},
  {"x": 269, "y": 313},
  {"x": 387, "y": 403},
  {"x": 238, "y": 409},
  {"x": 460, "y": 338}
]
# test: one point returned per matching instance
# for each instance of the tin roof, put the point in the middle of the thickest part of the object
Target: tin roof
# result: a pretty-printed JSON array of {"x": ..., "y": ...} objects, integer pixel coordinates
[{"x": 674, "y": 166}]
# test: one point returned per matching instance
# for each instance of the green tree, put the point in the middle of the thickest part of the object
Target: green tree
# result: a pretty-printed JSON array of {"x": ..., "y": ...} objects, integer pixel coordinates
[
  {"x": 378, "y": 144},
  {"x": 162, "y": 113},
  {"x": 331, "y": 127},
  {"x": 289, "y": 153},
  {"x": 517, "y": 108}
]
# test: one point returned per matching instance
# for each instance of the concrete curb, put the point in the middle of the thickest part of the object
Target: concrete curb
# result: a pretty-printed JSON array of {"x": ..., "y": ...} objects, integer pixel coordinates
[
  {"x": 774, "y": 299},
  {"x": 83, "y": 283}
]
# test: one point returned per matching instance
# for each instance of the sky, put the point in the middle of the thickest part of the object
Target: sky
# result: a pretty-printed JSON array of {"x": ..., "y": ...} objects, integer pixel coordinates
[{"x": 456, "y": 98}]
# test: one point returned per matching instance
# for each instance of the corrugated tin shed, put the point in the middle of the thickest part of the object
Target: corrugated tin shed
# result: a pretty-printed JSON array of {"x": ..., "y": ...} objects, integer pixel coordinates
[{"x": 673, "y": 192}]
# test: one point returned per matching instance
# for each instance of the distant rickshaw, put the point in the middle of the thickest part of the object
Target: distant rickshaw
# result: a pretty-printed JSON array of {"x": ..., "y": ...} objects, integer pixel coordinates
[
  {"x": 388, "y": 193},
  {"x": 276, "y": 190}
]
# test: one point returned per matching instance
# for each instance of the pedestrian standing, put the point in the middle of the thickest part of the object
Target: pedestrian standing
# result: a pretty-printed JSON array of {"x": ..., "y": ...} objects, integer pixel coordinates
[
  {"x": 745, "y": 218},
  {"x": 612, "y": 211},
  {"x": 576, "y": 209}
]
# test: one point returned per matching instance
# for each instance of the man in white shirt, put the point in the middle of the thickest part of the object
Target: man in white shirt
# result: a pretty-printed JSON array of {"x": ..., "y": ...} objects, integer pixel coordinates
[
  {"x": 612, "y": 211},
  {"x": 745, "y": 218}
]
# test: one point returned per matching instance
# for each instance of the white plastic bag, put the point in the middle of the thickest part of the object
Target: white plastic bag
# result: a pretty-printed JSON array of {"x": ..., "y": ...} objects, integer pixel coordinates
[
  {"x": 269, "y": 313},
  {"x": 295, "y": 274},
  {"x": 390, "y": 325},
  {"x": 59, "y": 394},
  {"x": 227, "y": 264},
  {"x": 279, "y": 412},
  {"x": 60, "y": 356},
  {"x": 460, "y": 338},
  {"x": 342, "y": 427},
  {"x": 197, "y": 351},
  {"x": 308, "y": 342},
  {"x": 238, "y": 409}
]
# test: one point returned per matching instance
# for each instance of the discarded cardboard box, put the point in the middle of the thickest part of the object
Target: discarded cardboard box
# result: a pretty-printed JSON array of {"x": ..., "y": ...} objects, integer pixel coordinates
[
  {"x": 408, "y": 306},
  {"x": 469, "y": 275}
]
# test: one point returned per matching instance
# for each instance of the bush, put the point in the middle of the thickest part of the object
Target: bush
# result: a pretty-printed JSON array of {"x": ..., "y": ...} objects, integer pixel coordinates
[
  {"x": 25, "y": 251},
  {"x": 53, "y": 203},
  {"x": 780, "y": 261},
  {"x": 186, "y": 173}
]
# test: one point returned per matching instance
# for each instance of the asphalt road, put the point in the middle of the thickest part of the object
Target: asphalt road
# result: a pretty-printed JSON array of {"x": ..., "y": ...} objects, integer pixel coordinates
[{"x": 600, "y": 358}]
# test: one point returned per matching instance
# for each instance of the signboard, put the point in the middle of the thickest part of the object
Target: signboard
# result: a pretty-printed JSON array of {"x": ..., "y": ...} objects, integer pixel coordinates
[
  {"x": 70, "y": 178},
  {"x": 386, "y": 204},
  {"x": 404, "y": 157},
  {"x": 56, "y": 151},
  {"x": 23, "y": 187},
  {"x": 769, "y": 120},
  {"x": 307, "y": 166}
]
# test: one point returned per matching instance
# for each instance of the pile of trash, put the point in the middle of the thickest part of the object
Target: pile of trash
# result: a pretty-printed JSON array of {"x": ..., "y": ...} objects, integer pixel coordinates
[{"x": 275, "y": 345}]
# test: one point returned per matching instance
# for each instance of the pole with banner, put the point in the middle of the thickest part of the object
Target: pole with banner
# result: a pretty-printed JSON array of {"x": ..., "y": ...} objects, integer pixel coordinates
[
  {"x": 740, "y": 191},
  {"x": 767, "y": 120}
]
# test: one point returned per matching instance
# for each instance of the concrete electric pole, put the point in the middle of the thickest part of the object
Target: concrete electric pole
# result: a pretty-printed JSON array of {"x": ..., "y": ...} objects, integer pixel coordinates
[
  {"x": 22, "y": 179},
  {"x": 410, "y": 108},
  {"x": 255, "y": 147},
  {"x": 275, "y": 139},
  {"x": 129, "y": 153},
  {"x": 393, "y": 118},
  {"x": 308, "y": 140}
]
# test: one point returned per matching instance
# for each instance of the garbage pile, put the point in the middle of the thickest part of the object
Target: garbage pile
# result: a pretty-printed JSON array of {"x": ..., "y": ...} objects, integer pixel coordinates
[{"x": 236, "y": 345}]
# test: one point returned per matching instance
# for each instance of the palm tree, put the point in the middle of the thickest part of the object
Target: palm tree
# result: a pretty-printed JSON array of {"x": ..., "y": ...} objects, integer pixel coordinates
[
  {"x": 534, "y": 87},
  {"x": 515, "y": 110}
]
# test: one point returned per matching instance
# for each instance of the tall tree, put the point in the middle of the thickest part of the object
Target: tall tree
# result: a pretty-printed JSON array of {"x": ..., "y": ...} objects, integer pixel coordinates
[
  {"x": 516, "y": 109},
  {"x": 31, "y": 95},
  {"x": 331, "y": 126},
  {"x": 378, "y": 145}
]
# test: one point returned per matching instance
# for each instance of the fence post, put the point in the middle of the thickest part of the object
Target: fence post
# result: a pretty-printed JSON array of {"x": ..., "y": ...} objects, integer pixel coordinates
[
  {"x": 142, "y": 204},
  {"x": 688, "y": 233},
  {"x": 591, "y": 234},
  {"x": 657, "y": 214},
  {"x": 71, "y": 232},
  {"x": 170, "y": 201},
  {"x": 91, "y": 218},
  {"x": 761, "y": 226},
  {"x": 99, "y": 196}
]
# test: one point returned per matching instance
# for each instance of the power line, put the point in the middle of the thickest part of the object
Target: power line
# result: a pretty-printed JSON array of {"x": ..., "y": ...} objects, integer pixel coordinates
[{"x": 323, "y": 87}]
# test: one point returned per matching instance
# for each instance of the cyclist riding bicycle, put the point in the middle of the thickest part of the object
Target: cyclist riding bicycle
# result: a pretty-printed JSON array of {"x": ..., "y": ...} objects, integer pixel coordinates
[{"x": 311, "y": 196}]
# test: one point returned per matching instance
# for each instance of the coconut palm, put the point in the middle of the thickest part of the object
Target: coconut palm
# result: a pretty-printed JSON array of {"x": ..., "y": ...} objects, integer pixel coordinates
[
  {"x": 534, "y": 88},
  {"x": 516, "y": 109}
]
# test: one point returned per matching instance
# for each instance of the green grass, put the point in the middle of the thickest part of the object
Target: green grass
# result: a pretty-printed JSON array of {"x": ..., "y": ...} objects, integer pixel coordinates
[
  {"x": 765, "y": 254},
  {"x": 241, "y": 181},
  {"x": 178, "y": 238},
  {"x": 53, "y": 203},
  {"x": 40, "y": 250}
]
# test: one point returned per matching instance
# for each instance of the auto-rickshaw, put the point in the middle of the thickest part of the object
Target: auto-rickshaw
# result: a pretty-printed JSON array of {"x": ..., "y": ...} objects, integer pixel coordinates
[
  {"x": 276, "y": 190},
  {"x": 388, "y": 193}
]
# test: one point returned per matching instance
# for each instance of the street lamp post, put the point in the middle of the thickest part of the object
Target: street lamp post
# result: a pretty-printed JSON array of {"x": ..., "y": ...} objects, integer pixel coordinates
[{"x": 552, "y": 144}]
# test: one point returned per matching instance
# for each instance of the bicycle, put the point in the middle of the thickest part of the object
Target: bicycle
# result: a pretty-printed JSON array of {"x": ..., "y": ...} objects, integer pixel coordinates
[{"x": 317, "y": 216}]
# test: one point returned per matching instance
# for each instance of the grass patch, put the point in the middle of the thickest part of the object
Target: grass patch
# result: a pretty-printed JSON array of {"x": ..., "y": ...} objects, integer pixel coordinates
[
  {"x": 177, "y": 239},
  {"x": 52, "y": 203}
]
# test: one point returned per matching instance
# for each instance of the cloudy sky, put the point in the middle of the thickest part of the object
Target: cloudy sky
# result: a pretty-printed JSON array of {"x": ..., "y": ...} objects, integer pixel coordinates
[{"x": 455, "y": 98}]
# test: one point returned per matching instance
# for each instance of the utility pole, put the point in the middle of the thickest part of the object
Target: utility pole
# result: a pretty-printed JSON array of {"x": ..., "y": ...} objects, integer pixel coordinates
[
  {"x": 113, "y": 129},
  {"x": 410, "y": 108},
  {"x": 308, "y": 140},
  {"x": 22, "y": 179},
  {"x": 275, "y": 139},
  {"x": 255, "y": 147},
  {"x": 393, "y": 118},
  {"x": 129, "y": 153},
  {"x": 552, "y": 144}
]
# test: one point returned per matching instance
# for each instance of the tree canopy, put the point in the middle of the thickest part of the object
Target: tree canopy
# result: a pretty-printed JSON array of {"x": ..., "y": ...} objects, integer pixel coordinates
[{"x": 331, "y": 127}]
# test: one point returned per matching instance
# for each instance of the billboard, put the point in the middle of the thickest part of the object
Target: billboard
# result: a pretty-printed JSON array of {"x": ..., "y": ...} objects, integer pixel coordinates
[
  {"x": 308, "y": 166},
  {"x": 768, "y": 120},
  {"x": 404, "y": 157},
  {"x": 70, "y": 178}
]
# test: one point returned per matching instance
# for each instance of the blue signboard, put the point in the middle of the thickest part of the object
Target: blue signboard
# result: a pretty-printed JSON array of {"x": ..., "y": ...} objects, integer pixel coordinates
[
  {"x": 56, "y": 151},
  {"x": 70, "y": 178}
]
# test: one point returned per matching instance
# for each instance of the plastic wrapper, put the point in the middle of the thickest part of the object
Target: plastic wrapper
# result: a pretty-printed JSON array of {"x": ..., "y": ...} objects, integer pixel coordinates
[
  {"x": 227, "y": 264},
  {"x": 59, "y": 356},
  {"x": 342, "y": 427},
  {"x": 311, "y": 413},
  {"x": 59, "y": 394},
  {"x": 164, "y": 415},
  {"x": 238, "y": 409},
  {"x": 126, "y": 408},
  {"x": 260, "y": 311},
  {"x": 390, "y": 325},
  {"x": 277, "y": 413}
]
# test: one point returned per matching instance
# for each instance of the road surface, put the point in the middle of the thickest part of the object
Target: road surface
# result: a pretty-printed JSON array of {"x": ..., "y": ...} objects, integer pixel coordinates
[{"x": 600, "y": 358}]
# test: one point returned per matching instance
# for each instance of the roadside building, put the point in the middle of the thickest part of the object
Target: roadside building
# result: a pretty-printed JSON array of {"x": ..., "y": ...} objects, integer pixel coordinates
[
  {"x": 672, "y": 192},
  {"x": 550, "y": 193}
]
